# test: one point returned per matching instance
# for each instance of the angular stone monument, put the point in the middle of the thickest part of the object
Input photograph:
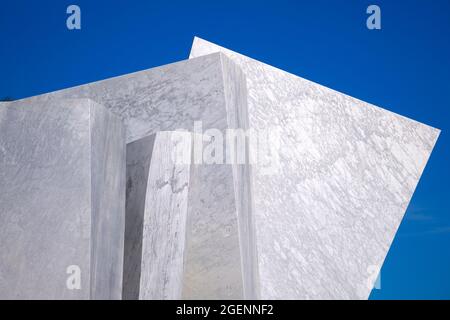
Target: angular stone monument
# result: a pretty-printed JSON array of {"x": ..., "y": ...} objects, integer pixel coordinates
[
  {"x": 326, "y": 213},
  {"x": 306, "y": 206},
  {"x": 62, "y": 200}
]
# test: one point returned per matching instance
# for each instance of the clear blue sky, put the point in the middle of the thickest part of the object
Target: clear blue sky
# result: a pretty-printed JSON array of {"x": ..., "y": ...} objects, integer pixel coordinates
[{"x": 405, "y": 68}]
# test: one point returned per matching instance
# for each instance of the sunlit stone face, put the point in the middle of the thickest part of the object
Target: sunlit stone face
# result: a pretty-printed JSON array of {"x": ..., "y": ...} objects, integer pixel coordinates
[{"x": 325, "y": 218}]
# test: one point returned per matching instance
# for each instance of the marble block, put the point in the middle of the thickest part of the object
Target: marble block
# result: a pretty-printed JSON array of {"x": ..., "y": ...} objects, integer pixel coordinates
[
  {"x": 174, "y": 97},
  {"x": 156, "y": 214},
  {"x": 327, "y": 211},
  {"x": 62, "y": 200}
]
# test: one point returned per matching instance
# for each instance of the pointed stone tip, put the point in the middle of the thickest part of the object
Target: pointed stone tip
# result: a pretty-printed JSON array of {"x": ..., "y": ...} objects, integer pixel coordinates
[{"x": 199, "y": 39}]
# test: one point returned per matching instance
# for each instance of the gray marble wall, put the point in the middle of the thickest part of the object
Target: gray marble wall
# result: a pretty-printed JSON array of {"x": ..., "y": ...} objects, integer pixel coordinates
[{"x": 61, "y": 199}]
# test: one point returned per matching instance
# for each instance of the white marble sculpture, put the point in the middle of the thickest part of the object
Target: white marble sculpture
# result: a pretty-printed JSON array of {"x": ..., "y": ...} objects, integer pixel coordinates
[{"x": 309, "y": 214}]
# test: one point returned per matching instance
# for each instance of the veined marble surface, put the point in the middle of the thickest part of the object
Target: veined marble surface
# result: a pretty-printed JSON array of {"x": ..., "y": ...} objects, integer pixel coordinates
[
  {"x": 139, "y": 156},
  {"x": 173, "y": 97},
  {"x": 237, "y": 117},
  {"x": 347, "y": 170},
  {"x": 214, "y": 258},
  {"x": 165, "y": 98},
  {"x": 157, "y": 206},
  {"x": 62, "y": 199}
]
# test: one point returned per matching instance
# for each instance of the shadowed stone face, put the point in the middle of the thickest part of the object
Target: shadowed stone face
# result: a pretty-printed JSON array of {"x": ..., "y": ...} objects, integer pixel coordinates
[{"x": 156, "y": 215}]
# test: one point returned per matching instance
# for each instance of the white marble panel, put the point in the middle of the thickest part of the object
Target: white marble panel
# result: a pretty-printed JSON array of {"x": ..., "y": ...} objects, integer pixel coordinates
[{"x": 326, "y": 214}]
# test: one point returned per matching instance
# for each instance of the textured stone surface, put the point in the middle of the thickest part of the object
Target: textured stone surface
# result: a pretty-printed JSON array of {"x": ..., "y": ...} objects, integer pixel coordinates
[
  {"x": 172, "y": 97},
  {"x": 213, "y": 256},
  {"x": 108, "y": 166},
  {"x": 165, "y": 98},
  {"x": 62, "y": 199},
  {"x": 157, "y": 204},
  {"x": 139, "y": 156},
  {"x": 237, "y": 117},
  {"x": 326, "y": 217}
]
